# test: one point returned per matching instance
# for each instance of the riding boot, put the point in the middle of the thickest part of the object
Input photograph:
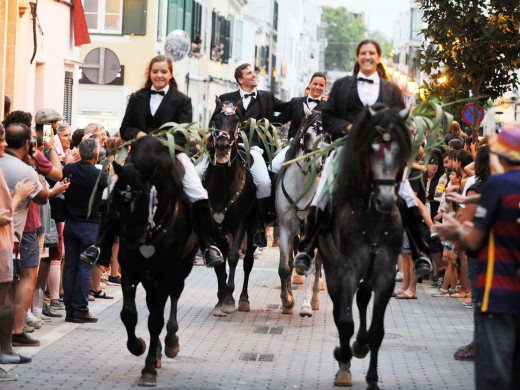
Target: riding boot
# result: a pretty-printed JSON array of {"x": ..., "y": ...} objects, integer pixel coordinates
[
  {"x": 101, "y": 253},
  {"x": 206, "y": 233},
  {"x": 262, "y": 206},
  {"x": 307, "y": 244},
  {"x": 412, "y": 219}
]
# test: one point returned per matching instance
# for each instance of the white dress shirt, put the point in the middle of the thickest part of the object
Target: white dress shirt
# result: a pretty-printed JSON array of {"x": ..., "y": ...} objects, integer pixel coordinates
[
  {"x": 156, "y": 99},
  {"x": 368, "y": 93},
  {"x": 247, "y": 100}
]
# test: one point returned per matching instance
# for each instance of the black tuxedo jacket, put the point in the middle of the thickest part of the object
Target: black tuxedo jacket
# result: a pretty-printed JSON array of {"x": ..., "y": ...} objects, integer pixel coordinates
[
  {"x": 294, "y": 113},
  {"x": 344, "y": 105},
  {"x": 268, "y": 103},
  {"x": 175, "y": 107},
  {"x": 268, "y": 106}
]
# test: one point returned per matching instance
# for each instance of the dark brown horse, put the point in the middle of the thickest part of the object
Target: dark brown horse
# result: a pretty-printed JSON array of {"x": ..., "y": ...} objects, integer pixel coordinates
[
  {"x": 157, "y": 246},
  {"x": 359, "y": 249},
  {"x": 231, "y": 193}
]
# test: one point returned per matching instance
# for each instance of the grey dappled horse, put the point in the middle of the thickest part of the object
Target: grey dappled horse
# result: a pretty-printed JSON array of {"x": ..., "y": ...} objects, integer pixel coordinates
[
  {"x": 360, "y": 246},
  {"x": 295, "y": 188}
]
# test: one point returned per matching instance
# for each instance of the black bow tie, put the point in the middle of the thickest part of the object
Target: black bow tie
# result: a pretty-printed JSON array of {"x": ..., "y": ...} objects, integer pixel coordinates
[
  {"x": 310, "y": 100},
  {"x": 252, "y": 95},
  {"x": 154, "y": 92},
  {"x": 365, "y": 80}
]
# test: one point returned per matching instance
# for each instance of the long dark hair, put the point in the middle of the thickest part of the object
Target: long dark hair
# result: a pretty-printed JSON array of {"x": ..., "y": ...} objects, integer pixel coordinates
[
  {"x": 436, "y": 155},
  {"x": 380, "y": 68},
  {"x": 482, "y": 168},
  {"x": 160, "y": 58}
]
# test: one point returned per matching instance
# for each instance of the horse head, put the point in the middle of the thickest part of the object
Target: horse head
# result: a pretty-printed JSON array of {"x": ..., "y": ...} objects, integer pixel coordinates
[
  {"x": 146, "y": 178},
  {"x": 377, "y": 150},
  {"x": 225, "y": 130}
]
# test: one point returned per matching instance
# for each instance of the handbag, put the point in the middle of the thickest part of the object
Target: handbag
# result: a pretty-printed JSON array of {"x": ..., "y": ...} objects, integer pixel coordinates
[
  {"x": 51, "y": 238},
  {"x": 58, "y": 208}
]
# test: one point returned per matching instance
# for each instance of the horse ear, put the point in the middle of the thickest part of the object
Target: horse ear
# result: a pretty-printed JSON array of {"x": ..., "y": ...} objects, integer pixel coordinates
[
  {"x": 218, "y": 102},
  {"x": 405, "y": 112},
  {"x": 371, "y": 111},
  {"x": 117, "y": 167},
  {"x": 306, "y": 110}
]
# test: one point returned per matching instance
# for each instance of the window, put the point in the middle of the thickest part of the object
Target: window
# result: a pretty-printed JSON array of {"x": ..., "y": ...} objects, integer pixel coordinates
[
  {"x": 184, "y": 15},
  {"x": 220, "y": 38},
  {"x": 104, "y": 16},
  {"x": 238, "y": 47}
]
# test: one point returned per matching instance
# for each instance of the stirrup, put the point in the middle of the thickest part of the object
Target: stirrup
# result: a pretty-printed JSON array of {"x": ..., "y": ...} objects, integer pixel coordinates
[
  {"x": 214, "y": 262},
  {"x": 302, "y": 262},
  {"x": 90, "y": 255},
  {"x": 422, "y": 266}
]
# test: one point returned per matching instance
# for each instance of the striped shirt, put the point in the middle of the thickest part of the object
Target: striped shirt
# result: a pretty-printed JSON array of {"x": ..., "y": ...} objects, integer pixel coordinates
[{"x": 498, "y": 277}]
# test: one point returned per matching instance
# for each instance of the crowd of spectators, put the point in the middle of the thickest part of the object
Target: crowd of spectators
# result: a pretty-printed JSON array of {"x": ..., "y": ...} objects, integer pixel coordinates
[{"x": 47, "y": 175}]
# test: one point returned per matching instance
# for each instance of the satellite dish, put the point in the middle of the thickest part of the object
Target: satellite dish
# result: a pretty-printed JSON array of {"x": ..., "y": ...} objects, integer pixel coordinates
[
  {"x": 177, "y": 45},
  {"x": 101, "y": 66}
]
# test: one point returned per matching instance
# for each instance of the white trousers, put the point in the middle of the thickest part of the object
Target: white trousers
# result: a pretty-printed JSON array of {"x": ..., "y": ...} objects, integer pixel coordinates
[
  {"x": 321, "y": 200},
  {"x": 258, "y": 171},
  {"x": 279, "y": 159},
  {"x": 191, "y": 182}
]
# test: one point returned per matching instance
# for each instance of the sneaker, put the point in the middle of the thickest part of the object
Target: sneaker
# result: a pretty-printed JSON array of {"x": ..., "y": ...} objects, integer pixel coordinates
[
  {"x": 114, "y": 280},
  {"x": 49, "y": 312},
  {"x": 81, "y": 318},
  {"x": 441, "y": 293},
  {"x": 469, "y": 306},
  {"x": 6, "y": 376},
  {"x": 43, "y": 317},
  {"x": 23, "y": 340},
  {"x": 57, "y": 306},
  {"x": 27, "y": 329},
  {"x": 33, "y": 321},
  {"x": 399, "y": 277},
  {"x": 464, "y": 353}
]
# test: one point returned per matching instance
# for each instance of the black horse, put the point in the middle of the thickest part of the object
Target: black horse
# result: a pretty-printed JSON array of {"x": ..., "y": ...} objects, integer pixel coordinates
[
  {"x": 157, "y": 246},
  {"x": 360, "y": 248},
  {"x": 231, "y": 193}
]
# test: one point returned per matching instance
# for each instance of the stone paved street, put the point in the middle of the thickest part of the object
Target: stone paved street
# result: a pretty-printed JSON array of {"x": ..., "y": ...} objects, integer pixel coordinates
[{"x": 417, "y": 352}]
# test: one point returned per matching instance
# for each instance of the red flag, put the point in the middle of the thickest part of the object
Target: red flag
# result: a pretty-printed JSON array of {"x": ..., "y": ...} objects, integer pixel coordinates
[{"x": 81, "y": 35}]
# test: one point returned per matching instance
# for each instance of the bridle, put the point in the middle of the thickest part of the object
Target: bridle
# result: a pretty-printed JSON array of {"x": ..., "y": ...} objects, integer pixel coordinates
[
  {"x": 216, "y": 134},
  {"x": 318, "y": 129}
]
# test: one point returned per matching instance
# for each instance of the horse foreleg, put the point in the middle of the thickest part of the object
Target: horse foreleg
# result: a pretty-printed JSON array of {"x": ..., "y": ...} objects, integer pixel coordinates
[
  {"x": 171, "y": 341},
  {"x": 377, "y": 331},
  {"x": 248, "y": 266},
  {"x": 360, "y": 347},
  {"x": 155, "y": 300},
  {"x": 284, "y": 270},
  {"x": 306, "y": 309},
  {"x": 315, "y": 300},
  {"x": 233, "y": 256},
  {"x": 220, "y": 271},
  {"x": 135, "y": 345}
]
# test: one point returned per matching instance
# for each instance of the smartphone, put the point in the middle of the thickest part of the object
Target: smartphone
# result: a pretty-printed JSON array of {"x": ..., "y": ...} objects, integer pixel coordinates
[{"x": 47, "y": 133}]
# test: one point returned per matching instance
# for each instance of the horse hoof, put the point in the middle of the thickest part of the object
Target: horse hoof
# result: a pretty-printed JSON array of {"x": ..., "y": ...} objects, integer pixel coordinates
[
  {"x": 171, "y": 352},
  {"x": 229, "y": 308},
  {"x": 315, "y": 305},
  {"x": 297, "y": 279},
  {"x": 322, "y": 285},
  {"x": 137, "y": 349},
  {"x": 148, "y": 380},
  {"x": 158, "y": 363},
  {"x": 217, "y": 312},
  {"x": 287, "y": 310},
  {"x": 359, "y": 351},
  {"x": 306, "y": 312},
  {"x": 343, "y": 376},
  {"x": 243, "y": 306}
]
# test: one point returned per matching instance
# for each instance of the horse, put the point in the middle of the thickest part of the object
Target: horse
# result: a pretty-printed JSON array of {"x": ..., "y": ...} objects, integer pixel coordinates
[
  {"x": 157, "y": 246},
  {"x": 360, "y": 245},
  {"x": 231, "y": 193},
  {"x": 295, "y": 188}
]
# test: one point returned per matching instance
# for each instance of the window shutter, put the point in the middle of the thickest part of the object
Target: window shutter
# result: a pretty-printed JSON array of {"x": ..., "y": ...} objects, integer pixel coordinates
[
  {"x": 67, "y": 97},
  {"x": 134, "y": 17},
  {"x": 175, "y": 15},
  {"x": 238, "y": 46},
  {"x": 188, "y": 15}
]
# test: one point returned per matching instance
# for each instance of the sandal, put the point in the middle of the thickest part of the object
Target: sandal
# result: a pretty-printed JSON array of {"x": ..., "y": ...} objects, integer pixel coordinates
[
  {"x": 100, "y": 294},
  {"x": 404, "y": 295}
]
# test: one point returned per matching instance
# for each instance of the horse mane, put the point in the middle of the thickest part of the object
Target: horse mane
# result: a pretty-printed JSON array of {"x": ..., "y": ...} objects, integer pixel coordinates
[
  {"x": 354, "y": 166},
  {"x": 150, "y": 158},
  {"x": 293, "y": 150}
]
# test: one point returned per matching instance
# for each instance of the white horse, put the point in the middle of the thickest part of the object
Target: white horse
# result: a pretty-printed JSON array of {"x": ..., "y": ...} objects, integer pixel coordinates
[{"x": 295, "y": 187}]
